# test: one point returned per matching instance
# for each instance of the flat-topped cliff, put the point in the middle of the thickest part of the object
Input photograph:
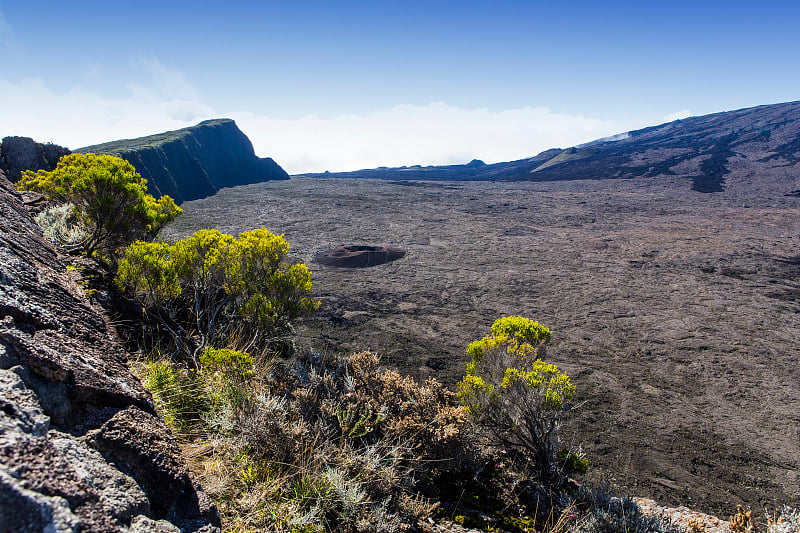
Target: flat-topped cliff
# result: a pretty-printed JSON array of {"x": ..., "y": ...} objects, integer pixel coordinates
[{"x": 194, "y": 162}]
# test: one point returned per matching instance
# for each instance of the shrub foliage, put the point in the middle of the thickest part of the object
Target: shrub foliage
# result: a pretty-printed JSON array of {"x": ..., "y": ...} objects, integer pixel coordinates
[
  {"x": 109, "y": 199},
  {"x": 519, "y": 398},
  {"x": 212, "y": 289},
  {"x": 322, "y": 443}
]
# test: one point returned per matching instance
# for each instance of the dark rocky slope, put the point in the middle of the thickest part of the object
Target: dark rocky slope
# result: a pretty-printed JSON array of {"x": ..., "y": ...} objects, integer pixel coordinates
[
  {"x": 194, "y": 162},
  {"x": 759, "y": 142},
  {"x": 23, "y": 153},
  {"x": 81, "y": 448}
]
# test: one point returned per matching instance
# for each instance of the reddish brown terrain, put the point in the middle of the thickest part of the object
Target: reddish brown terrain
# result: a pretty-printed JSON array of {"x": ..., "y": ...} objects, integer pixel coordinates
[{"x": 676, "y": 312}]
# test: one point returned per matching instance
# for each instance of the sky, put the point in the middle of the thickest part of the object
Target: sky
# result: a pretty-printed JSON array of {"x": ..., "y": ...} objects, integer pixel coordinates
[{"x": 347, "y": 85}]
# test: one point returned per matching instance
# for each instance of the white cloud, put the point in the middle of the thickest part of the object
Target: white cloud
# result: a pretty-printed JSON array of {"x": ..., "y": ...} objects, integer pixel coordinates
[
  {"x": 163, "y": 83},
  {"x": 81, "y": 116},
  {"x": 405, "y": 135},
  {"x": 163, "y": 99},
  {"x": 678, "y": 115}
]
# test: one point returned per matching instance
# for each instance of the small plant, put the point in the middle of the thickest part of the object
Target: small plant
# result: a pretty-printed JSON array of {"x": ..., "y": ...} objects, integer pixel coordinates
[
  {"x": 572, "y": 461},
  {"x": 252, "y": 471},
  {"x": 180, "y": 394},
  {"x": 695, "y": 526},
  {"x": 355, "y": 424},
  {"x": 60, "y": 225},
  {"x": 518, "y": 398},
  {"x": 308, "y": 490},
  {"x": 787, "y": 522},
  {"x": 742, "y": 521},
  {"x": 599, "y": 511}
]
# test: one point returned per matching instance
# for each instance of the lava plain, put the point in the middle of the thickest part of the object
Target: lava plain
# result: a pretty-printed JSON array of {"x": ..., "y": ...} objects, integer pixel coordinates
[{"x": 677, "y": 313}]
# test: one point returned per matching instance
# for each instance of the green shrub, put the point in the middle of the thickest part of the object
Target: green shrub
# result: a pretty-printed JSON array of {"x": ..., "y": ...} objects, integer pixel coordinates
[
  {"x": 213, "y": 289},
  {"x": 231, "y": 363},
  {"x": 517, "y": 397},
  {"x": 109, "y": 199}
]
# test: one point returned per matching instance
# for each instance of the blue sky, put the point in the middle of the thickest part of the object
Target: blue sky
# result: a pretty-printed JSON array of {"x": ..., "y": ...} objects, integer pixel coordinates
[{"x": 346, "y": 85}]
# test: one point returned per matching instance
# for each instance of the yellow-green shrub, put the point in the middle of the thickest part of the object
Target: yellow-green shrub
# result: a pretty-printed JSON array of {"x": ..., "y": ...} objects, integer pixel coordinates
[
  {"x": 211, "y": 289},
  {"x": 229, "y": 362},
  {"x": 519, "y": 398},
  {"x": 109, "y": 197}
]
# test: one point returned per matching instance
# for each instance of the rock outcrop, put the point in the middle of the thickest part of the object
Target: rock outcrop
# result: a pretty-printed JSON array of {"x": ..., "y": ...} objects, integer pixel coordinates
[
  {"x": 194, "y": 162},
  {"x": 752, "y": 147},
  {"x": 23, "y": 153},
  {"x": 81, "y": 448}
]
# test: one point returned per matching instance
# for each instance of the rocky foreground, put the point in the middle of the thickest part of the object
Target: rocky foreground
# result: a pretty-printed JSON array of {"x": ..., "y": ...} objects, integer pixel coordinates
[{"x": 81, "y": 448}]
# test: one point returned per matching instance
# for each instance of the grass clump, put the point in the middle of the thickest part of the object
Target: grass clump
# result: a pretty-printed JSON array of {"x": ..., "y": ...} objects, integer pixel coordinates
[
  {"x": 786, "y": 521},
  {"x": 61, "y": 226}
]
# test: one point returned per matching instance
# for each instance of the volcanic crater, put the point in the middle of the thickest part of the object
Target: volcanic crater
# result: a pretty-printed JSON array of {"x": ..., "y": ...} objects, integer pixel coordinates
[{"x": 358, "y": 256}]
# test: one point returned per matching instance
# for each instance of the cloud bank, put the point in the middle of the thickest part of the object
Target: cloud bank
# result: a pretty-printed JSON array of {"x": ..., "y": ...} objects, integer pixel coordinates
[
  {"x": 163, "y": 99},
  {"x": 81, "y": 116},
  {"x": 436, "y": 133}
]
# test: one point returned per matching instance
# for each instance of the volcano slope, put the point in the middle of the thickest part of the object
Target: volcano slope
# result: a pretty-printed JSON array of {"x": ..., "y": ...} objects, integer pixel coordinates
[
  {"x": 757, "y": 144},
  {"x": 677, "y": 313}
]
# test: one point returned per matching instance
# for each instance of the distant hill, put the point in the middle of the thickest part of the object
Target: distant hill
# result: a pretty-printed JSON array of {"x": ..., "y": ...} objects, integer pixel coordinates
[
  {"x": 708, "y": 151},
  {"x": 194, "y": 162}
]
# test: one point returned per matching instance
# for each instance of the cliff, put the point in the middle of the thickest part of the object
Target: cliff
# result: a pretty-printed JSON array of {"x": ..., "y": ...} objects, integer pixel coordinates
[
  {"x": 81, "y": 448},
  {"x": 23, "y": 153},
  {"x": 194, "y": 162},
  {"x": 752, "y": 147}
]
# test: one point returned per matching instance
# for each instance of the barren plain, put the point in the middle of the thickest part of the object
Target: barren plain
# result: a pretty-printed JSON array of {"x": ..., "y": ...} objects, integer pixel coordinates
[{"x": 677, "y": 313}]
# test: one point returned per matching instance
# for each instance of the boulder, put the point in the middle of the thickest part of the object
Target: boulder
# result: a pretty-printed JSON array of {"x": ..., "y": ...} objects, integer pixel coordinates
[{"x": 23, "y": 153}]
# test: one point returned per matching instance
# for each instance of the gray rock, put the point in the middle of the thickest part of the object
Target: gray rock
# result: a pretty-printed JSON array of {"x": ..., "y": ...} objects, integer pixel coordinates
[
  {"x": 24, "y": 510},
  {"x": 141, "y": 445},
  {"x": 20, "y": 410},
  {"x": 120, "y": 496},
  {"x": 142, "y": 524},
  {"x": 23, "y": 153},
  {"x": 63, "y": 376}
]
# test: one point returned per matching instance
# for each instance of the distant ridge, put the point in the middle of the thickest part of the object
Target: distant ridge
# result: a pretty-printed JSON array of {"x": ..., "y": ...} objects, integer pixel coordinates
[
  {"x": 194, "y": 162},
  {"x": 756, "y": 144}
]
